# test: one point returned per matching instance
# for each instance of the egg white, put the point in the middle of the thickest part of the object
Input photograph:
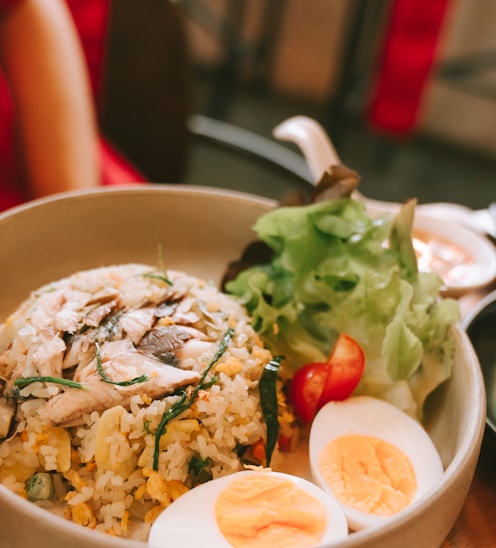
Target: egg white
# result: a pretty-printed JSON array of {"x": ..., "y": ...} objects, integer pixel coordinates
[
  {"x": 190, "y": 520},
  {"x": 376, "y": 418}
]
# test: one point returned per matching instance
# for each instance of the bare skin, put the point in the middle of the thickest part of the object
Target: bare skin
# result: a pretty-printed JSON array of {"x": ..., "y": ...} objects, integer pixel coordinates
[{"x": 45, "y": 67}]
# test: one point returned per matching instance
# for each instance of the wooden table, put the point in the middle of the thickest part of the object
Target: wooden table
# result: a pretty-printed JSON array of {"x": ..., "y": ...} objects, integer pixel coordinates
[{"x": 476, "y": 525}]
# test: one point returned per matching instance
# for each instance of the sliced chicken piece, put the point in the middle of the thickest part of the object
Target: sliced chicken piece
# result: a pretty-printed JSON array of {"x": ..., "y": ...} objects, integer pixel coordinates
[
  {"x": 83, "y": 308},
  {"x": 7, "y": 414},
  {"x": 6, "y": 364},
  {"x": 120, "y": 362},
  {"x": 46, "y": 360},
  {"x": 194, "y": 349},
  {"x": 49, "y": 354},
  {"x": 47, "y": 307},
  {"x": 78, "y": 343},
  {"x": 137, "y": 322},
  {"x": 185, "y": 313},
  {"x": 97, "y": 313}
]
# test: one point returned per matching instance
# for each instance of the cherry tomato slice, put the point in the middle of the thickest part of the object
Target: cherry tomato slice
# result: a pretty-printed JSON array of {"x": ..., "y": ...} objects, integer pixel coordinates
[
  {"x": 316, "y": 384},
  {"x": 306, "y": 387},
  {"x": 347, "y": 362}
]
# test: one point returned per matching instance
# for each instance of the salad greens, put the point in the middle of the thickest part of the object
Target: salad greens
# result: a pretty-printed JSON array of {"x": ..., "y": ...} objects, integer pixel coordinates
[{"x": 335, "y": 269}]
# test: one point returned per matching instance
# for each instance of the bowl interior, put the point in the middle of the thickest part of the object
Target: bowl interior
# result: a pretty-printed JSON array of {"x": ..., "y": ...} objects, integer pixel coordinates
[{"x": 199, "y": 231}]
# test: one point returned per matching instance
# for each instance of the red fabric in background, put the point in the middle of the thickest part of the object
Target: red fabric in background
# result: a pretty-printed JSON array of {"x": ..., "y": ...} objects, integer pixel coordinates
[
  {"x": 117, "y": 170},
  {"x": 409, "y": 51},
  {"x": 11, "y": 190}
]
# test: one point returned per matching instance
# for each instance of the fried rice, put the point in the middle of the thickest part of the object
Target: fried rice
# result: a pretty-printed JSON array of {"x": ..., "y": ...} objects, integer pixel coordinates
[{"x": 132, "y": 345}]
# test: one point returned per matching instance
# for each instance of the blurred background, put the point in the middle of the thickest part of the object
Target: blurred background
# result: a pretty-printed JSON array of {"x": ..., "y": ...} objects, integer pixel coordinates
[{"x": 406, "y": 90}]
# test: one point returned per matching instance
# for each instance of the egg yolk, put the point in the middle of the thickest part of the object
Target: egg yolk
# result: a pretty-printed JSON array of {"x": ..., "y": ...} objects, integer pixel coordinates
[
  {"x": 262, "y": 510},
  {"x": 368, "y": 474}
]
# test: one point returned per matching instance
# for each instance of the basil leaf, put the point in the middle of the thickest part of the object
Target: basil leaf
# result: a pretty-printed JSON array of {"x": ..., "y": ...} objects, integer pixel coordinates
[{"x": 268, "y": 401}]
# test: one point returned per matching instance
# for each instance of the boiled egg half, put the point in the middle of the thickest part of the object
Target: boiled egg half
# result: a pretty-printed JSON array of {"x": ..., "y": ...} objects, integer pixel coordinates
[
  {"x": 253, "y": 508},
  {"x": 374, "y": 459}
]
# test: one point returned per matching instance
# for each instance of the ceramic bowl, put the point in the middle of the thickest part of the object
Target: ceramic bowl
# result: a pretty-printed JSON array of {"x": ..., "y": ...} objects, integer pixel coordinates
[
  {"x": 480, "y": 324},
  {"x": 201, "y": 230}
]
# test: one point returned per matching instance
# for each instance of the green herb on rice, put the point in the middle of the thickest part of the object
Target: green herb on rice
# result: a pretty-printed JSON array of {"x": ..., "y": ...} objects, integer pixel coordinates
[
  {"x": 267, "y": 388},
  {"x": 161, "y": 273},
  {"x": 186, "y": 401},
  {"x": 200, "y": 468},
  {"x": 21, "y": 382},
  {"x": 158, "y": 276},
  {"x": 103, "y": 376}
]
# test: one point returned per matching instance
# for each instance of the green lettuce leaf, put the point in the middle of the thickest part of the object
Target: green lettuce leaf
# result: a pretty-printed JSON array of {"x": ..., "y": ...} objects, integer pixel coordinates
[{"x": 335, "y": 269}]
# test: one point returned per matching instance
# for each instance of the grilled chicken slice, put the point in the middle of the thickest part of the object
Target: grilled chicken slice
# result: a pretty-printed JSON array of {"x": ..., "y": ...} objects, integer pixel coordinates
[
  {"x": 120, "y": 362},
  {"x": 7, "y": 414}
]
